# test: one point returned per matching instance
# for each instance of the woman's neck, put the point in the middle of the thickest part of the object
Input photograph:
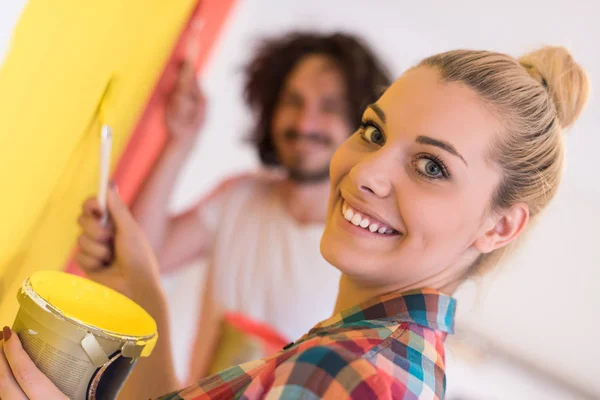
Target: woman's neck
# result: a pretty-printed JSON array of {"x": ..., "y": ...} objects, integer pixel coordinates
[{"x": 352, "y": 292}]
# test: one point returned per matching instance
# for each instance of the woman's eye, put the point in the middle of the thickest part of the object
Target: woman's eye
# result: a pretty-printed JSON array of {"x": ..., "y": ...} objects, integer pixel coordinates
[
  {"x": 373, "y": 135},
  {"x": 430, "y": 168}
]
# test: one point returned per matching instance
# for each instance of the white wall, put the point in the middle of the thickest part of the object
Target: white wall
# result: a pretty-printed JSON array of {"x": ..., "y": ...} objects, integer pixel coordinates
[
  {"x": 544, "y": 304},
  {"x": 483, "y": 378},
  {"x": 9, "y": 16}
]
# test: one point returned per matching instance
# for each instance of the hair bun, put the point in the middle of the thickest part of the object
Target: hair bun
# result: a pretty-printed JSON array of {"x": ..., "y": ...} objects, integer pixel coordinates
[{"x": 566, "y": 81}]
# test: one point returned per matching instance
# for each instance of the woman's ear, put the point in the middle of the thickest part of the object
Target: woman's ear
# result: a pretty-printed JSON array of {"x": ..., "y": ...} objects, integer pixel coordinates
[{"x": 506, "y": 227}]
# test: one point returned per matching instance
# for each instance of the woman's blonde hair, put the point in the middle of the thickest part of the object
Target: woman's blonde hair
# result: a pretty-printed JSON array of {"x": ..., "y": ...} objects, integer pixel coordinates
[{"x": 535, "y": 97}]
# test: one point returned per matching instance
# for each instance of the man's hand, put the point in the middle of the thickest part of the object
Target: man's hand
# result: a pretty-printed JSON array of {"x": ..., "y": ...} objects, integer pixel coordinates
[{"x": 185, "y": 108}]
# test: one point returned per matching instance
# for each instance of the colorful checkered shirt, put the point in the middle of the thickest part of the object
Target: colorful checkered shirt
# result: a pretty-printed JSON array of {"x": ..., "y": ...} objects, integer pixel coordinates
[{"x": 390, "y": 347}]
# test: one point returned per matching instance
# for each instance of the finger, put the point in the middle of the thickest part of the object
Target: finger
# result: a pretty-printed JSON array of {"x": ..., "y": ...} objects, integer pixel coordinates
[
  {"x": 186, "y": 73},
  {"x": 87, "y": 262},
  {"x": 183, "y": 105},
  {"x": 91, "y": 207},
  {"x": 119, "y": 212},
  {"x": 99, "y": 250},
  {"x": 9, "y": 388},
  {"x": 94, "y": 229},
  {"x": 188, "y": 110},
  {"x": 195, "y": 90},
  {"x": 32, "y": 381},
  {"x": 190, "y": 93},
  {"x": 187, "y": 85}
]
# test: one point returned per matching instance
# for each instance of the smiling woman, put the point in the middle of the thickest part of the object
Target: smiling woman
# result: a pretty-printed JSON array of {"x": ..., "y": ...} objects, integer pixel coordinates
[{"x": 446, "y": 170}]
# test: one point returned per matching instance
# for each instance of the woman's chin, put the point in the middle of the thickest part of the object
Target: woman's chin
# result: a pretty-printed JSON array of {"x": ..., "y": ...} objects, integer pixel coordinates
[{"x": 344, "y": 257}]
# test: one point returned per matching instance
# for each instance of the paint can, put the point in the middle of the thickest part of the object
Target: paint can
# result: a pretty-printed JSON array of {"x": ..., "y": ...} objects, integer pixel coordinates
[{"x": 84, "y": 336}]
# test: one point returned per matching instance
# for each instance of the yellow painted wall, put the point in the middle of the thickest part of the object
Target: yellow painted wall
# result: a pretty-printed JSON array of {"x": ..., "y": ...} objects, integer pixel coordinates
[{"x": 63, "y": 54}]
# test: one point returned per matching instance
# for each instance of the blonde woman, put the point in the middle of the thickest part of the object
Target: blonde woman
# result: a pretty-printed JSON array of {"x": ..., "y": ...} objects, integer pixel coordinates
[{"x": 446, "y": 171}]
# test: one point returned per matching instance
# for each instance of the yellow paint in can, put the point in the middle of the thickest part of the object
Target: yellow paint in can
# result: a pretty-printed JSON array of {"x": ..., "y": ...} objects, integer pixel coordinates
[{"x": 92, "y": 304}]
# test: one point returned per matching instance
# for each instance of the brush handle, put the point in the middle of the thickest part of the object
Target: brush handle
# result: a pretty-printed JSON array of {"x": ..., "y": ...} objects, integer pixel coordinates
[{"x": 105, "y": 150}]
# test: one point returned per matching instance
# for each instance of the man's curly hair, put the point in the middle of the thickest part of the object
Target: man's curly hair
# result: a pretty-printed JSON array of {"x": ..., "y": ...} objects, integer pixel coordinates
[{"x": 364, "y": 75}]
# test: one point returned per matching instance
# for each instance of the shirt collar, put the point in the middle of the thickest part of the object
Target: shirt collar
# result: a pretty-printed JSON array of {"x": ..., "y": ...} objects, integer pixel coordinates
[{"x": 426, "y": 307}]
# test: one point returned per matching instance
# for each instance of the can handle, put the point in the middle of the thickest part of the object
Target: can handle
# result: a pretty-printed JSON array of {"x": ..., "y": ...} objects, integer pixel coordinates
[{"x": 94, "y": 351}]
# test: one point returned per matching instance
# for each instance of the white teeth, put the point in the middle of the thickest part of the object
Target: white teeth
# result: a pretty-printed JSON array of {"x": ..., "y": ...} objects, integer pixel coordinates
[
  {"x": 348, "y": 214},
  {"x": 357, "y": 219}
]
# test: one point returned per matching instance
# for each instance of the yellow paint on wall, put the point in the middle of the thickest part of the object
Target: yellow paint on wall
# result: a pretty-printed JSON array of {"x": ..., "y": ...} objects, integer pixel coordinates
[{"x": 62, "y": 57}]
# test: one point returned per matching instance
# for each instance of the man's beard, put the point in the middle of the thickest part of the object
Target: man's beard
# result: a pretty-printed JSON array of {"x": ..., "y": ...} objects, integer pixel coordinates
[
  {"x": 297, "y": 173},
  {"x": 302, "y": 176}
]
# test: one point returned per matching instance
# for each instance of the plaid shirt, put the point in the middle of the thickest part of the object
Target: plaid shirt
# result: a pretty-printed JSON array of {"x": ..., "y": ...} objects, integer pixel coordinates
[{"x": 390, "y": 347}]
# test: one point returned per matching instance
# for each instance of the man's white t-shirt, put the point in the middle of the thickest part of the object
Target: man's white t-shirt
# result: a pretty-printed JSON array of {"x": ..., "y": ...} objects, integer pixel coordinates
[{"x": 265, "y": 265}]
